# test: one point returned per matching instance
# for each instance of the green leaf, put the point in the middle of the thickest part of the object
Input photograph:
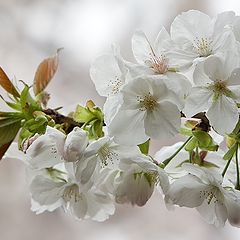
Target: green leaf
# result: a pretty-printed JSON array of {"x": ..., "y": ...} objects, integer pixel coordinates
[
  {"x": 28, "y": 104},
  {"x": 185, "y": 132},
  {"x": 191, "y": 145},
  {"x": 144, "y": 147},
  {"x": 83, "y": 115},
  {"x": 203, "y": 138},
  {"x": 7, "y": 135},
  {"x": 8, "y": 121},
  {"x": 230, "y": 153}
]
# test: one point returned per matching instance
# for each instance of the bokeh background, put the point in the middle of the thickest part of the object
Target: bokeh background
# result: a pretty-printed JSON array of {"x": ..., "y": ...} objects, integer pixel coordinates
[{"x": 31, "y": 30}]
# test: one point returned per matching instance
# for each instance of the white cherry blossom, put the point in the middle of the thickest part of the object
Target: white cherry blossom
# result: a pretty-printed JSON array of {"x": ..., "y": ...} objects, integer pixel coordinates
[
  {"x": 54, "y": 147},
  {"x": 195, "y": 34},
  {"x": 217, "y": 92},
  {"x": 202, "y": 189},
  {"x": 148, "y": 111},
  {"x": 79, "y": 200},
  {"x": 137, "y": 179}
]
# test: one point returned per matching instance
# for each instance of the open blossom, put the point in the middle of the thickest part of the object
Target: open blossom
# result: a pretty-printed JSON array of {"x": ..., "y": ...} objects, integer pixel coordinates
[
  {"x": 103, "y": 153},
  {"x": 137, "y": 179},
  {"x": 153, "y": 59},
  {"x": 197, "y": 37},
  {"x": 202, "y": 189},
  {"x": 217, "y": 92},
  {"x": 109, "y": 74},
  {"x": 148, "y": 111},
  {"x": 54, "y": 147},
  {"x": 66, "y": 191}
]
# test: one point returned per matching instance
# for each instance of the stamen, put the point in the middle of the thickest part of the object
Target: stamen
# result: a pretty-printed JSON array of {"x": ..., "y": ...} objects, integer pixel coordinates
[
  {"x": 209, "y": 195},
  {"x": 107, "y": 155},
  {"x": 148, "y": 102},
  {"x": 157, "y": 64},
  {"x": 72, "y": 193},
  {"x": 115, "y": 84},
  {"x": 203, "y": 46}
]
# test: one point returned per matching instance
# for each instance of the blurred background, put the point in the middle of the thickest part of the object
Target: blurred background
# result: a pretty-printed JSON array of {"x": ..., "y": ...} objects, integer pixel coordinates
[{"x": 31, "y": 30}]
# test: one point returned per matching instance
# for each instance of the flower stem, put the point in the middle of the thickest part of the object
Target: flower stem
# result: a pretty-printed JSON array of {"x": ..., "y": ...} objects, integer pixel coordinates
[
  {"x": 237, "y": 168},
  {"x": 168, "y": 160},
  {"x": 226, "y": 167}
]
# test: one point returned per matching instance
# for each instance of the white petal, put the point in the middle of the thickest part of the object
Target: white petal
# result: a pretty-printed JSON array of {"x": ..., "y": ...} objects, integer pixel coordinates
[
  {"x": 111, "y": 107},
  {"x": 163, "y": 41},
  {"x": 163, "y": 121},
  {"x": 223, "y": 20},
  {"x": 214, "y": 213},
  {"x": 133, "y": 189},
  {"x": 234, "y": 79},
  {"x": 100, "y": 206},
  {"x": 75, "y": 145},
  {"x": 85, "y": 169},
  {"x": 141, "y": 47},
  {"x": 128, "y": 123},
  {"x": 214, "y": 69},
  {"x": 46, "y": 191},
  {"x": 106, "y": 75},
  {"x": 47, "y": 150},
  {"x": 79, "y": 208},
  {"x": 197, "y": 101},
  {"x": 200, "y": 78},
  {"x": 186, "y": 191},
  {"x": 223, "y": 115},
  {"x": 189, "y": 25},
  {"x": 232, "y": 202}
]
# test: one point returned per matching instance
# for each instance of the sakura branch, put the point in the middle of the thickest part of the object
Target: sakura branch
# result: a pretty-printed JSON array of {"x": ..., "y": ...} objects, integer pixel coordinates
[{"x": 184, "y": 83}]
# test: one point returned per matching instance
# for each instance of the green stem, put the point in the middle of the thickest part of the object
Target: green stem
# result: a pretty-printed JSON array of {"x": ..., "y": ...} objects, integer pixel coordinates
[
  {"x": 237, "y": 167},
  {"x": 226, "y": 167},
  {"x": 168, "y": 160}
]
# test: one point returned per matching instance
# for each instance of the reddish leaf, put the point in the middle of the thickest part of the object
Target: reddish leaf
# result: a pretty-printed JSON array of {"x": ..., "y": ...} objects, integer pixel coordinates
[
  {"x": 45, "y": 72},
  {"x": 3, "y": 149},
  {"x": 7, "y": 84}
]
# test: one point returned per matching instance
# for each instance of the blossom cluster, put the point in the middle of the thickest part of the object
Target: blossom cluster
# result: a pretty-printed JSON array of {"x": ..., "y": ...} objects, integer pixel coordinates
[{"x": 185, "y": 82}]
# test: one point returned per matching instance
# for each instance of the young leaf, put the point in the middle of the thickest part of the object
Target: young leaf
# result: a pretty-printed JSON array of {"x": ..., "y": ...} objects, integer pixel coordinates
[
  {"x": 7, "y": 135},
  {"x": 45, "y": 72},
  {"x": 7, "y": 84},
  {"x": 144, "y": 147}
]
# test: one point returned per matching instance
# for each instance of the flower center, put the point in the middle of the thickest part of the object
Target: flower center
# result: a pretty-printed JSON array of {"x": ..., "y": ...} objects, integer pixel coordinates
[
  {"x": 219, "y": 88},
  {"x": 203, "y": 46},
  {"x": 210, "y": 195},
  {"x": 115, "y": 85},
  {"x": 158, "y": 64},
  {"x": 107, "y": 156},
  {"x": 148, "y": 102},
  {"x": 71, "y": 193}
]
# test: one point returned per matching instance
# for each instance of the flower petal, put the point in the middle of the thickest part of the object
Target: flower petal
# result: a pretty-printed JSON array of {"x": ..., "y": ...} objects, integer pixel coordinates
[
  {"x": 163, "y": 122},
  {"x": 223, "y": 115}
]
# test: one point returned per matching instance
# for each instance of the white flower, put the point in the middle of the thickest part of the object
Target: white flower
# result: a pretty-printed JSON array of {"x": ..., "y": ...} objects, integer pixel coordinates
[
  {"x": 54, "y": 147},
  {"x": 197, "y": 38},
  {"x": 109, "y": 73},
  {"x": 136, "y": 181},
  {"x": 217, "y": 91},
  {"x": 202, "y": 189},
  {"x": 80, "y": 200},
  {"x": 103, "y": 153},
  {"x": 153, "y": 60},
  {"x": 148, "y": 110}
]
